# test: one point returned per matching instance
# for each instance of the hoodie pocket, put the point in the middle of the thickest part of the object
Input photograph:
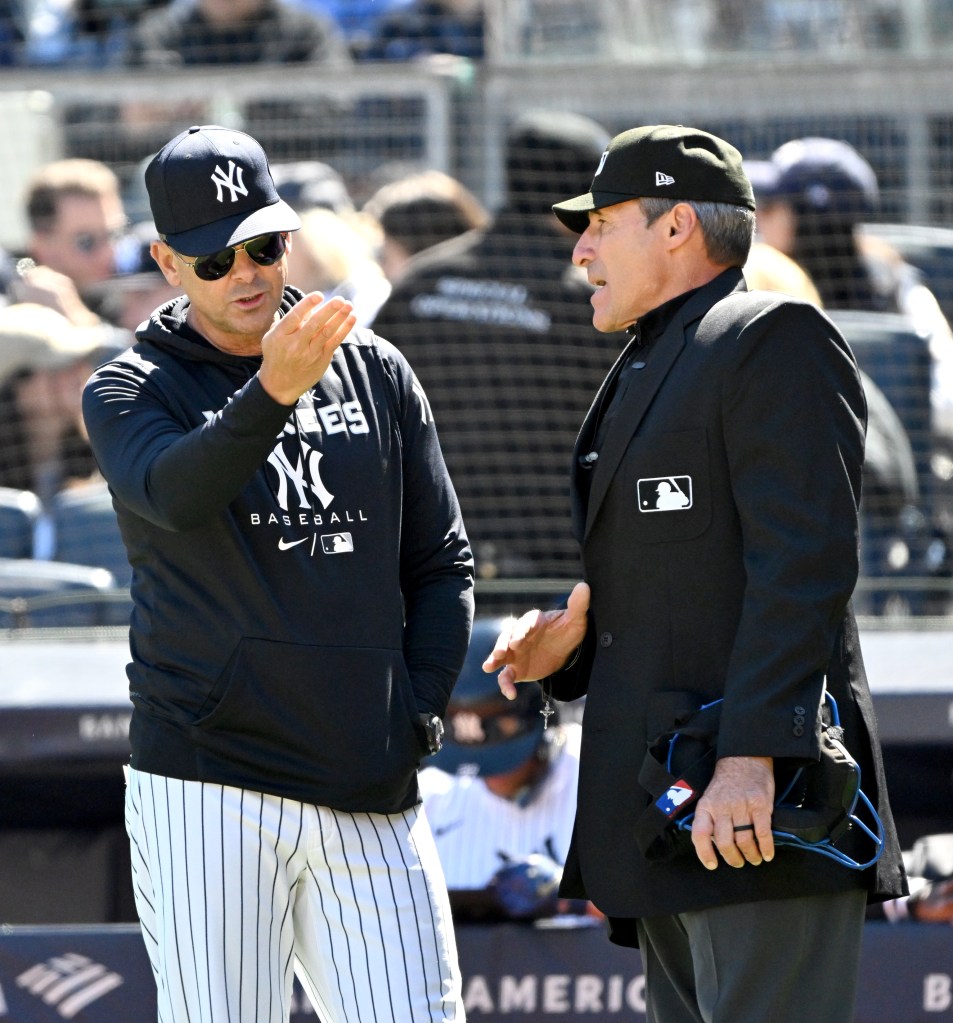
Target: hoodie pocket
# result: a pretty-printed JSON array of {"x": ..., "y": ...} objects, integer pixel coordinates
[{"x": 331, "y": 725}]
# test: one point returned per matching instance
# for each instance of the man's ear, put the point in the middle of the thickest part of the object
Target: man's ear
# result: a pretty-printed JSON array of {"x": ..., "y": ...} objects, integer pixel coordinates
[
  {"x": 682, "y": 223},
  {"x": 167, "y": 262}
]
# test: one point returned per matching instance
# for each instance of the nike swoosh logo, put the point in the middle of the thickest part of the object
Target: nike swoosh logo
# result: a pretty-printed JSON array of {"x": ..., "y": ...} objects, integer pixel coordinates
[{"x": 284, "y": 544}]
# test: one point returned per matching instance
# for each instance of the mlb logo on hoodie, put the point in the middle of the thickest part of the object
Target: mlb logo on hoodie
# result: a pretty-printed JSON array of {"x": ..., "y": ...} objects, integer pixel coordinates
[{"x": 671, "y": 801}]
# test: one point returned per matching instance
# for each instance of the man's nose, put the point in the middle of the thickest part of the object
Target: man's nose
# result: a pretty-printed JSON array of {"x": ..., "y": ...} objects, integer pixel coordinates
[{"x": 582, "y": 251}]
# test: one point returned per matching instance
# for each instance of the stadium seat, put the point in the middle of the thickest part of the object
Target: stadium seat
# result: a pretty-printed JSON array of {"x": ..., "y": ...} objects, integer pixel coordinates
[
  {"x": 929, "y": 249},
  {"x": 905, "y": 544},
  {"x": 55, "y": 594},
  {"x": 897, "y": 358},
  {"x": 19, "y": 510},
  {"x": 87, "y": 532}
]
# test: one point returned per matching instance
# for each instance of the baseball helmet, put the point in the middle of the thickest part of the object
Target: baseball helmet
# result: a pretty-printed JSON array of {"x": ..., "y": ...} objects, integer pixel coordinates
[{"x": 485, "y": 733}]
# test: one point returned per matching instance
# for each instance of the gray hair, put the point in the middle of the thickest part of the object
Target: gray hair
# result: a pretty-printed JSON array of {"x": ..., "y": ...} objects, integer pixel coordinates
[{"x": 728, "y": 230}]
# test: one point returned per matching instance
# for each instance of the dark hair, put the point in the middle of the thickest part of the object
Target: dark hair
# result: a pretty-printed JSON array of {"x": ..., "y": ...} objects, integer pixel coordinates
[{"x": 426, "y": 208}]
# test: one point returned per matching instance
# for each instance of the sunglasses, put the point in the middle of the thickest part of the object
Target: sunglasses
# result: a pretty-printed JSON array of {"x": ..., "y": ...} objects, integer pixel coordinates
[
  {"x": 265, "y": 250},
  {"x": 88, "y": 241}
]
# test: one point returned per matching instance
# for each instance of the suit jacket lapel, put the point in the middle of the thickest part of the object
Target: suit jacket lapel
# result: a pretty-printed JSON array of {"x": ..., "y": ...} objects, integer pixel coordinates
[
  {"x": 586, "y": 437},
  {"x": 640, "y": 388}
]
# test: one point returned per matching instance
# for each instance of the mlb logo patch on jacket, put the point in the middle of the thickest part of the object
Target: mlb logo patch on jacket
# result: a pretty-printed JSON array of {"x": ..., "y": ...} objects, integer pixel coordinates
[{"x": 665, "y": 493}]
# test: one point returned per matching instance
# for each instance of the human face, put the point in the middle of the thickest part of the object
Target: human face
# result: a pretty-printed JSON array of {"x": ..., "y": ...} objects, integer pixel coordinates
[
  {"x": 230, "y": 12},
  {"x": 236, "y": 311},
  {"x": 625, "y": 259},
  {"x": 82, "y": 242},
  {"x": 777, "y": 226}
]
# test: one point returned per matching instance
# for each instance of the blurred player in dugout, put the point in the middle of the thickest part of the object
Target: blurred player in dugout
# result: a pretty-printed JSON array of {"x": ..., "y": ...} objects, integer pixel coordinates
[{"x": 501, "y": 796}]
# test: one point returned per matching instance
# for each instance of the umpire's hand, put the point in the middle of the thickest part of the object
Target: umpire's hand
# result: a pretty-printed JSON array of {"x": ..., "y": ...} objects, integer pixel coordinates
[{"x": 539, "y": 643}]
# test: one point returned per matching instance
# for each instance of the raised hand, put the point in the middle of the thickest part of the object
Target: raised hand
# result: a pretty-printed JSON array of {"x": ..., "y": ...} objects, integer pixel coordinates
[{"x": 297, "y": 350}]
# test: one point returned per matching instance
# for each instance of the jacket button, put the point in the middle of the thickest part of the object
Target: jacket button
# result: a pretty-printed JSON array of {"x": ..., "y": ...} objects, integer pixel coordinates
[
  {"x": 605, "y": 639},
  {"x": 799, "y": 719},
  {"x": 798, "y": 731},
  {"x": 799, "y": 710}
]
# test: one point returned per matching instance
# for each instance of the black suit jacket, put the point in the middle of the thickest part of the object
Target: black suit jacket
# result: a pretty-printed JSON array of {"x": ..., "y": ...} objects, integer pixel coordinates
[{"x": 719, "y": 537}]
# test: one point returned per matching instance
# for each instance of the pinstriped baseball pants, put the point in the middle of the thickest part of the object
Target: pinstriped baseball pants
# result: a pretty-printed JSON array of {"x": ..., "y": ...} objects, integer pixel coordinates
[{"x": 237, "y": 890}]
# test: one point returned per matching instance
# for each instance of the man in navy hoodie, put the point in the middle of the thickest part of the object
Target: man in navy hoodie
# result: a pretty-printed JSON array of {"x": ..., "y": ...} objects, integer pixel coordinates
[{"x": 302, "y": 590}]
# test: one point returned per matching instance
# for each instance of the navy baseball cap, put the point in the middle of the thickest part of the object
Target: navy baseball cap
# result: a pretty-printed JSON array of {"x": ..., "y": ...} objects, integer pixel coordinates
[
  {"x": 826, "y": 176},
  {"x": 210, "y": 187},
  {"x": 667, "y": 161}
]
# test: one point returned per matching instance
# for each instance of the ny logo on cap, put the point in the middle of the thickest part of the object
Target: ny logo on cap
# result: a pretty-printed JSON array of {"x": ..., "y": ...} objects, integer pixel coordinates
[
  {"x": 602, "y": 163},
  {"x": 235, "y": 183},
  {"x": 663, "y": 179}
]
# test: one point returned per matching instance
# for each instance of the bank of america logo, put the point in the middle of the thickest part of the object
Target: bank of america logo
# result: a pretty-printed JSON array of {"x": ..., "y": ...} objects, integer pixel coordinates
[{"x": 69, "y": 982}]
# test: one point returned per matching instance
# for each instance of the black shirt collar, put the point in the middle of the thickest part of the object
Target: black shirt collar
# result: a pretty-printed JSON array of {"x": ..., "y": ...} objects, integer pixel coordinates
[{"x": 654, "y": 323}]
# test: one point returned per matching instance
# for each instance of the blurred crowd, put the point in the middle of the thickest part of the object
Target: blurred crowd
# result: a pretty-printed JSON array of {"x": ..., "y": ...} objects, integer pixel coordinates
[
  {"x": 101, "y": 33},
  {"x": 160, "y": 33},
  {"x": 496, "y": 322}
]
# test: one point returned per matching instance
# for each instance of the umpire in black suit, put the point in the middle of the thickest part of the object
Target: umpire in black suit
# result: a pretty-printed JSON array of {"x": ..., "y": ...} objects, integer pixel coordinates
[{"x": 715, "y": 486}]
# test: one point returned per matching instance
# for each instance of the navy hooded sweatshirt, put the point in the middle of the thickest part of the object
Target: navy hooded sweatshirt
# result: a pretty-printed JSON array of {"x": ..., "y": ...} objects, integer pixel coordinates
[{"x": 302, "y": 581}]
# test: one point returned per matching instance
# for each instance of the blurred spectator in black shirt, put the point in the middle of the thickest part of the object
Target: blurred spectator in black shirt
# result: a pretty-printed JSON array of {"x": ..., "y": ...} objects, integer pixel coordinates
[
  {"x": 210, "y": 33},
  {"x": 357, "y": 19},
  {"x": 454, "y": 27},
  {"x": 498, "y": 328},
  {"x": 203, "y": 32}
]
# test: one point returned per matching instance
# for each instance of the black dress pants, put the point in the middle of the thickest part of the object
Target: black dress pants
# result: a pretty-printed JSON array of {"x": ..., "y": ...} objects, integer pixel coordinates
[{"x": 783, "y": 961}]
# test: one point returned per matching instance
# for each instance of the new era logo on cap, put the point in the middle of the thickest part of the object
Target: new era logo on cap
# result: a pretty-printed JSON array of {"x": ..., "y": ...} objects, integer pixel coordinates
[
  {"x": 663, "y": 179},
  {"x": 210, "y": 187}
]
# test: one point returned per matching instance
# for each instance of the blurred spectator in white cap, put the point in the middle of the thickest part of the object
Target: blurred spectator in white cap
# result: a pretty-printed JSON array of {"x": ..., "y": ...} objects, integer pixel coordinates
[{"x": 44, "y": 363}]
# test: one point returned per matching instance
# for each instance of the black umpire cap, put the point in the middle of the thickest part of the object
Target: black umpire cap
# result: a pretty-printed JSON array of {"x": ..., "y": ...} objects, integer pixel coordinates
[{"x": 665, "y": 161}]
